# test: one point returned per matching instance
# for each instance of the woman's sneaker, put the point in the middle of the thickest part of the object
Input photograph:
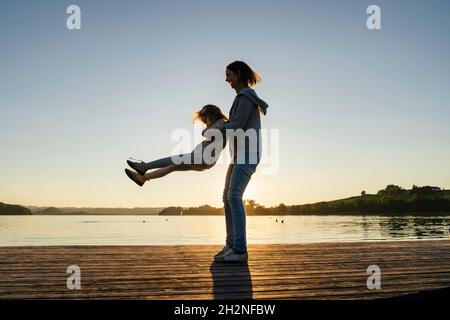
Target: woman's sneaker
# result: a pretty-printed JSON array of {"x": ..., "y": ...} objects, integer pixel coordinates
[
  {"x": 225, "y": 250},
  {"x": 235, "y": 256}
]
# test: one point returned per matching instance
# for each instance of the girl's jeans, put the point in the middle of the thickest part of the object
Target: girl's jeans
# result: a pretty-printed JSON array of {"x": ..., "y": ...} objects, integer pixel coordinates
[
  {"x": 237, "y": 179},
  {"x": 192, "y": 163}
]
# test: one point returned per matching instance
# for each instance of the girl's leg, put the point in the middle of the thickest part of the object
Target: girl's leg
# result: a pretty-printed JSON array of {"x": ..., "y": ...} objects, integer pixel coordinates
[
  {"x": 160, "y": 163},
  {"x": 166, "y": 162},
  {"x": 168, "y": 169}
]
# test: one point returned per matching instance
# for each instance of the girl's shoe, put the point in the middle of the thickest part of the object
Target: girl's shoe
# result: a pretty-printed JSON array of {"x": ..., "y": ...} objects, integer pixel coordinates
[
  {"x": 133, "y": 176},
  {"x": 137, "y": 166}
]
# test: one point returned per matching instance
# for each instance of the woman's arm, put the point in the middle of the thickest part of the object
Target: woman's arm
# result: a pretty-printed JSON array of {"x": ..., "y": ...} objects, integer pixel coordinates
[{"x": 243, "y": 108}]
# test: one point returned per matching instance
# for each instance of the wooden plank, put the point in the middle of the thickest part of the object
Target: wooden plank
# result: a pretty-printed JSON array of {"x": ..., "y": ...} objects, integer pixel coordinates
[{"x": 278, "y": 271}]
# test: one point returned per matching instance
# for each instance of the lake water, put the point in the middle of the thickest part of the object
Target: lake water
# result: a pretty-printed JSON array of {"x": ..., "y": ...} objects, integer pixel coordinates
[{"x": 169, "y": 230}]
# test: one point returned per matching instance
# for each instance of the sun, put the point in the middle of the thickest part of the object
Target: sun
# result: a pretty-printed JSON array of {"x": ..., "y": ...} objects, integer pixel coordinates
[{"x": 250, "y": 192}]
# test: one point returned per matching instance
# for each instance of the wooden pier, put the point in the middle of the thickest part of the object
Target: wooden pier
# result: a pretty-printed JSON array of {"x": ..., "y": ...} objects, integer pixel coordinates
[{"x": 276, "y": 271}]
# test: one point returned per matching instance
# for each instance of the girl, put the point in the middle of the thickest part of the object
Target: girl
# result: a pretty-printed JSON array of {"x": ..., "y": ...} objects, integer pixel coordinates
[{"x": 199, "y": 159}]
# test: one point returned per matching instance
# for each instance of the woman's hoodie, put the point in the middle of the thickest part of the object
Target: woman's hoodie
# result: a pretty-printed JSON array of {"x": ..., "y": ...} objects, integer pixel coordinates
[{"x": 245, "y": 114}]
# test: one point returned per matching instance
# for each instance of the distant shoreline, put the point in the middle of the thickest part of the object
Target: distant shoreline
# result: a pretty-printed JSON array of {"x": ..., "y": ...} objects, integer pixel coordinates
[{"x": 390, "y": 201}]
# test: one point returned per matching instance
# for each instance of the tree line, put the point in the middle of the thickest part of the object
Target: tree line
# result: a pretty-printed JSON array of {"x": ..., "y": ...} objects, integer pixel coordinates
[{"x": 390, "y": 200}]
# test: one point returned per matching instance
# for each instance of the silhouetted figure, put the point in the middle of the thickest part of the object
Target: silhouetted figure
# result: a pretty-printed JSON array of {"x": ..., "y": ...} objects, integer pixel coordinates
[{"x": 240, "y": 287}]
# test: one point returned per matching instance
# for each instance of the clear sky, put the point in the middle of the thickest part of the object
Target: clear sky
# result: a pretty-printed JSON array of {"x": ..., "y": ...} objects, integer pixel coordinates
[{"x": 356, "y": 109}]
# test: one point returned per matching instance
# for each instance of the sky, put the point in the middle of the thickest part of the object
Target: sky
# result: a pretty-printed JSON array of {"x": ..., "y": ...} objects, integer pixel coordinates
[{"x": 355, "y": 109}]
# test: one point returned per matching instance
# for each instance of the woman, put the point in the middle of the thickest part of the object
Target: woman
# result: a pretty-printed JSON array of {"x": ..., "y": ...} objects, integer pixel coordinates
[{"x": 244, "y": 115}]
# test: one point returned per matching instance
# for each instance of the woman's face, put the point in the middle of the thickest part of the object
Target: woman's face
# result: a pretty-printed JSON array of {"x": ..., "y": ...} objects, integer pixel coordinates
[{"x": 232, "y": 78}]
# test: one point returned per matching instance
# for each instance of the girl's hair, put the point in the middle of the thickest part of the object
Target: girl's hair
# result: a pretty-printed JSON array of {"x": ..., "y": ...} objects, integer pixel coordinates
[
  {"x": 209, "y": 110},
  {"x": 247, "y": 74}
]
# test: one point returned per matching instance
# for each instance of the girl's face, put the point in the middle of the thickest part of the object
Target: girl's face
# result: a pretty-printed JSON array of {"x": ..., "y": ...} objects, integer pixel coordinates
[
  {"x": 232, "y": 78},
  {"x": 209, "y": 120}
]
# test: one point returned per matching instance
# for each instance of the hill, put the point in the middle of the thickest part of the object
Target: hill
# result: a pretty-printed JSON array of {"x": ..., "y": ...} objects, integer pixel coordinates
[
  {"x": 13, "y": 209},
  {"x": 393, "y": 199}
]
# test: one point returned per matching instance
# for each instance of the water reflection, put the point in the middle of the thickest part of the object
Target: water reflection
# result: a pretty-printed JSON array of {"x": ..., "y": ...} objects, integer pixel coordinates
[{"x": 414, "y": 227}]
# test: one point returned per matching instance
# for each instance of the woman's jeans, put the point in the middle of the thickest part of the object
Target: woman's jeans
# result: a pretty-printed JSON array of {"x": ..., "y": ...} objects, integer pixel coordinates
[{"x": 237, "y": 179}]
